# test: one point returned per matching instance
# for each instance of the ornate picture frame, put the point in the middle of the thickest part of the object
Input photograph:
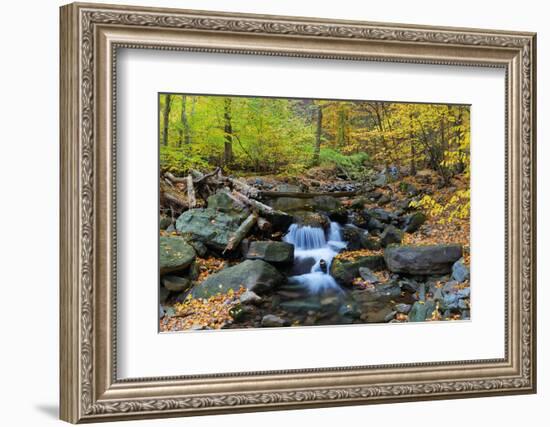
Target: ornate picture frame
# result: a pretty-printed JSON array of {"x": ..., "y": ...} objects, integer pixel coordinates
[{"x": 90, "y": 37}]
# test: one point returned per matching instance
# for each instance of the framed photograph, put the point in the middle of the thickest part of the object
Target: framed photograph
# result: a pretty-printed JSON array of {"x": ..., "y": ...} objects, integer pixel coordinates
[{"x": 266, "y": 213}]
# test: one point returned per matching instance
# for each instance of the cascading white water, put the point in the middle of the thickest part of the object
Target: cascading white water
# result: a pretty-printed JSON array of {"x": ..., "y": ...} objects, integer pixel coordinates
[{"x": 311, "y": 243}]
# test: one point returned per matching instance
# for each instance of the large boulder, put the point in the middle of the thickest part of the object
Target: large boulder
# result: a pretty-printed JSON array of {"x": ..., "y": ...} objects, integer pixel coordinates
[
  {"x": 255, "y": 275},
  {"x": 210, "y": 226},
  {"x": 422, "y": 260},
  {"x": 272, "y": 252},
  {"x": 223, "y": 202},
  {"x": 344, "y": 271},
  {"x": 175, "y": 254}
]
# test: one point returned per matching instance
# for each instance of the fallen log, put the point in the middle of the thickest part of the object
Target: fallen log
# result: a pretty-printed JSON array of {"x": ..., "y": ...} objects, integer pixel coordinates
[
  {"x": 243, "y": 188},
  {"x": 171, "y": 198},
  {"x": 241, "y": 232},
  {"x": 174, "y": 179},
  {"x": 279, "y": 219},
  {"x": 276, "y": 194},
  {"x": 191, "y": 199}
]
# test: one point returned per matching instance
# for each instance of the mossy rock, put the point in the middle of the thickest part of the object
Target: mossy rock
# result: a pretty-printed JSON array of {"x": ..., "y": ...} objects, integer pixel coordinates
[{"x": 175, "y": 254}]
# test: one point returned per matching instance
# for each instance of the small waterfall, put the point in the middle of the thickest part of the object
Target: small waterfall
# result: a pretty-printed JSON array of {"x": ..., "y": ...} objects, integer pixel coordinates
[
  {"x": 311, "y": 243},
  {"x": 305, "y": 237}
]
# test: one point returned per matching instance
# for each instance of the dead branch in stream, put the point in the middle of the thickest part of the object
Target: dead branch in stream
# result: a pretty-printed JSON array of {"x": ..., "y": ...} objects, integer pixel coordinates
[
  {"x": 275, "y": 194},
  {"x": 241, "y": 232},
  {"x": 191, "y": 199}
]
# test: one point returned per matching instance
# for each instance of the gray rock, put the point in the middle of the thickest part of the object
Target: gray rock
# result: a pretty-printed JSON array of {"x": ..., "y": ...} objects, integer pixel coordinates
[
  {"x": 356, "y": 237},
  {"x": 291, "y": 204},
  {"x": 174, "y": 254},
  {"x": 209, "y": 226},
  {"x": 402, "y": 308},
  {"x": 200, "y": 248},
  {"x": 421, "y": 311},
  {"x": 272, "y": 321},
  {"x": 391, "y": 235},
  {"x": 464, "y": 293},
  {"x": 171, "y": 228},
  {"x": 390, "y": 316},
  {"x": 367, "y": 275},
  {"x": 344, "y": 271},
  {"x": 175, "y": 283},
  {"x": 161, "y": 312},
  {"x": 223, "y": 202},
  {"x": 450, "y": 302},
  {"x": 255, "y": 275},
  {"x": 250, "y": 297},
  {"x": 380, "y": 180},
  {"x": 414, "y": 221},
  {"x": 464, "y": 304},
  {"x": 272, "y": 252},
  {"x": 163, "y": 294},
  {"x": 460, "y": 271},
  {"x": 422, "y": 260},
  {"x": 165, "y": 222},
  {"x": 326, "y": 204}
]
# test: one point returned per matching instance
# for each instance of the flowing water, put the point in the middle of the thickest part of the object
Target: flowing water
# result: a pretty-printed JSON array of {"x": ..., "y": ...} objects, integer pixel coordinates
[{"x": 312, "y": 247}]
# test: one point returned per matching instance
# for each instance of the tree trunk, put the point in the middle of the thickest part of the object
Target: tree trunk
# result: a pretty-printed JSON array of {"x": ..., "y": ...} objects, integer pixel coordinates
[
  {"x": 228, "y": 131},
  {"x": 185, "y": 137},
  {"x": 317, "y": 150},
  {"x": 166, "y": 118},
  {"x": 413, "y": 150}
]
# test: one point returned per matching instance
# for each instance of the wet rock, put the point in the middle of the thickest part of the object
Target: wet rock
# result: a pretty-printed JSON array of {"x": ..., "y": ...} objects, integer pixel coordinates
[
  {"x": 461, "y": 273},
  {"x": 414, "y": 221},
  {"x": 374, "y": 224},
  {"x": 356, "y": 237},
  {"x": 255, "y": 275},
  {"x": 422, "y": 260},
  {"x": 209, "y": 226},
  {"x": 165, "y": 222},
  {"x": 344, "y": 271},
  {"x": 174, "y": 254},
  {"x": 402, "y": 308},
  {"x": 380, "y": 214},
  {"x": 176, "y": 283},
  {"x": 391, "y": 235},
  {"x": 272, "y": 321},
  {"x": 367, "y": 275},
  {"x": 250, "y": 297},
  {"x": 272, "y": 252},
  {"x": 421, "y": 311}
]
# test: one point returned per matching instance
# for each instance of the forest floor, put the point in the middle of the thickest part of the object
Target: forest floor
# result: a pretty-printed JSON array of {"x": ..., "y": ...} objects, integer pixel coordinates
[{"x": 376, "y": 218}]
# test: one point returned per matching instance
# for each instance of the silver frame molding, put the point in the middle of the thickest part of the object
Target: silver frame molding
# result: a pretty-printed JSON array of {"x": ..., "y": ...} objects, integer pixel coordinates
[{"x": 90, "y": 37}]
